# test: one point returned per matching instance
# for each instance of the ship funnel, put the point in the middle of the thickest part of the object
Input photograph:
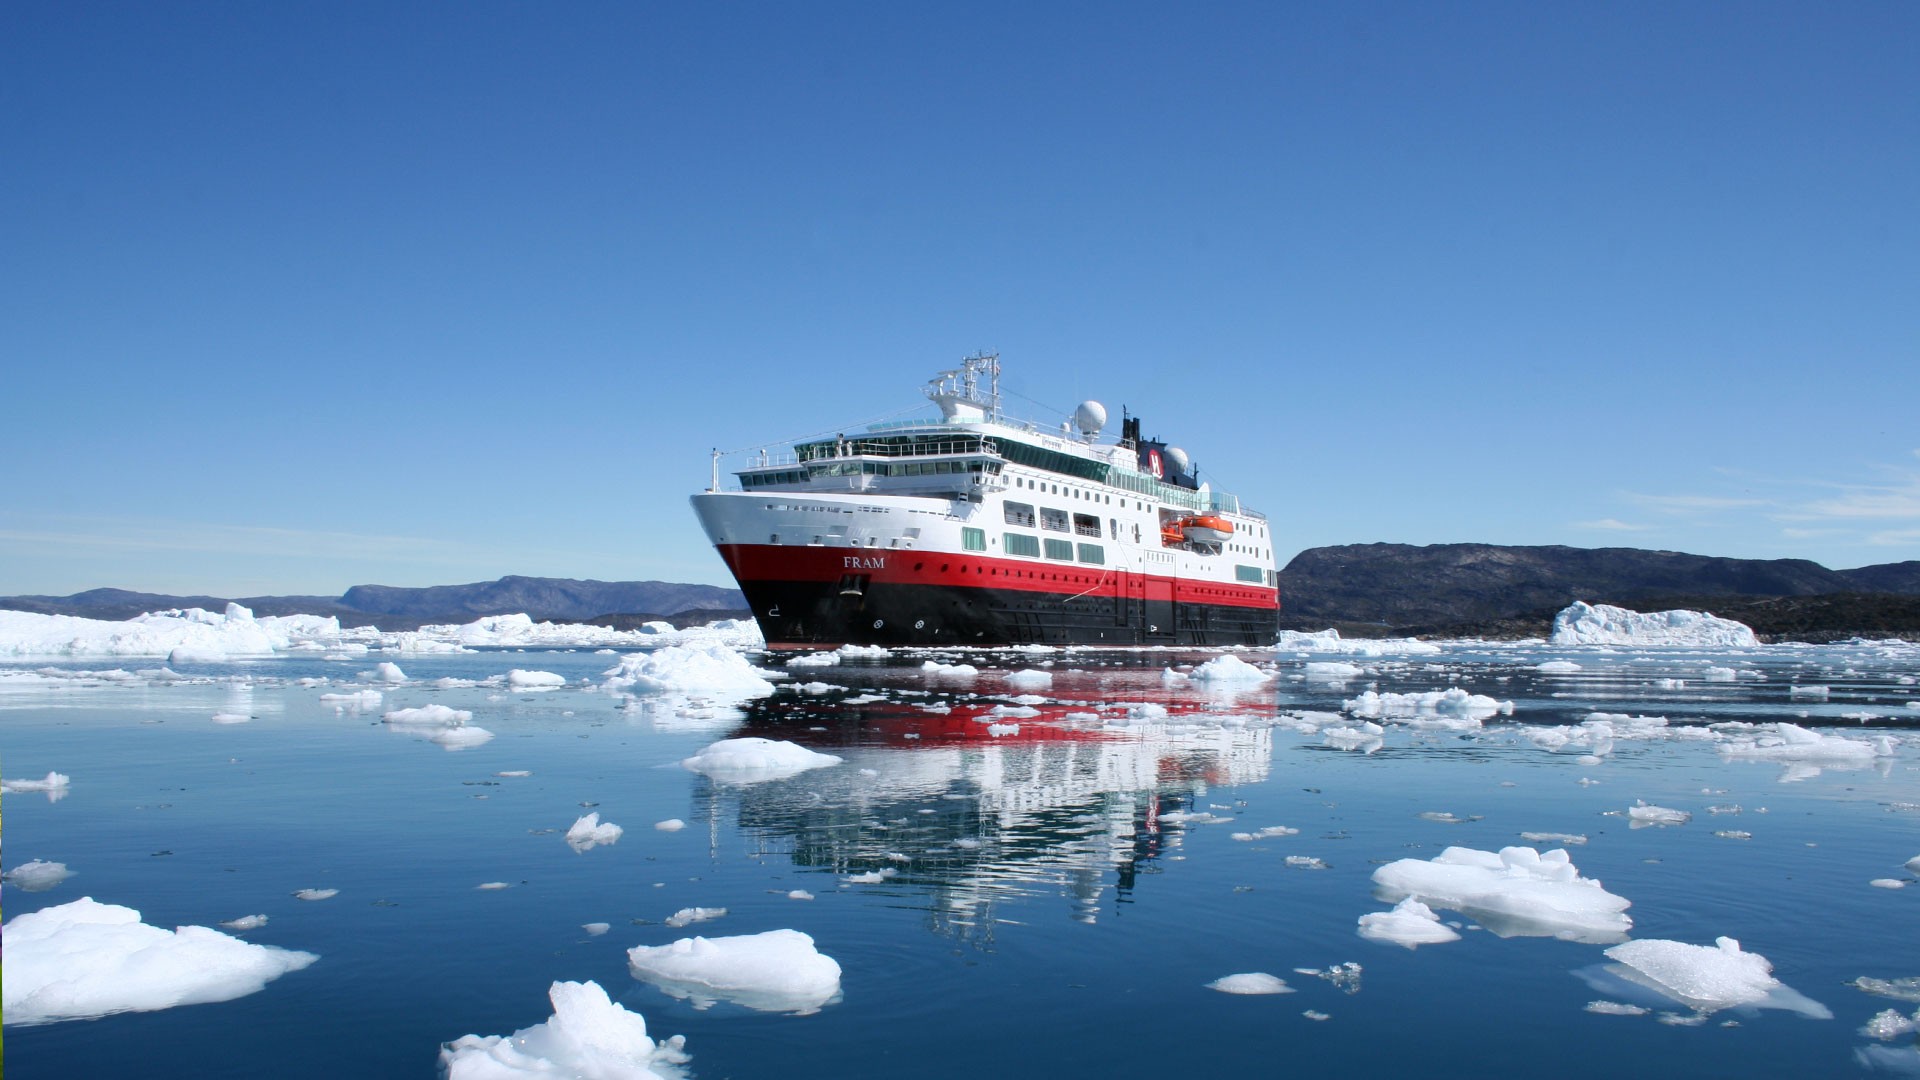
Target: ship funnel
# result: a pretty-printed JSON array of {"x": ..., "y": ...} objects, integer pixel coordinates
[{"x": 1090, "y": 417}]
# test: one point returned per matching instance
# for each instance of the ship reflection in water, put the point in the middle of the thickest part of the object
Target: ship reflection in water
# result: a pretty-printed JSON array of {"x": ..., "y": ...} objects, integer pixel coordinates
[{"x": 960, "y": 806}]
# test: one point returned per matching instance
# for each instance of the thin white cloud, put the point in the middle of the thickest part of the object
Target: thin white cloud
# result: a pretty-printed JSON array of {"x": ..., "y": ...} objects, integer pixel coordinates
[
  {"x": 124, "y": 535},
  {"x": 1693, "y": 504},
  {"x": 1611, "y": 524}
]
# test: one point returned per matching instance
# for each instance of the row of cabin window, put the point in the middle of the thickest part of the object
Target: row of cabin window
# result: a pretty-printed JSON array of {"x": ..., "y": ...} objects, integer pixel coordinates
[
  {"x": 1059, "y": 550},
  {"x": 1056, "y": 520}
]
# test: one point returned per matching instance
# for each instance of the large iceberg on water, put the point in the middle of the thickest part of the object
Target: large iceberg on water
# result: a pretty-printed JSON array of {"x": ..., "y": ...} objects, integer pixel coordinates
[
  {"x": 778, "y": 971},
  {"x": 1705, "y": 978},
  {"x": 588, "y": 1035},
  {"x": 1600, "y": 624},
  {"x": 86, "y": 959},
  {"x": 191, "y": 635},
  {"x": 1517, "y": 892}
]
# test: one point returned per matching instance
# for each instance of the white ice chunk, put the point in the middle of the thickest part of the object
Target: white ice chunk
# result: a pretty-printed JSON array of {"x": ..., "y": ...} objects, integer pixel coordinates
[
  {"x": 1643, "y": 814},
  {"x": 589, "y": 832},
  {"x": 1601, "y": 624},
  {"x": 1410, "y": 923},
  {"x": 1452, "y": 708},
  {"x": 1517, "y": 892},
  {"x": 1228, "y": 668},
  {"x": 1030, "y": 679},
  {"x": 49, "y": 783},
  {"x": 751, "y": 759},
  {"x": 1250, "y": 982},
  {"x": 689, "y": 915},
  {"x": 1557, "y": 667},
  {"x": 589, "y": 1036},
  {"x": 1707, "y": 978},
  {"x": 777, "y": 971},
  {"x": 1791, "y": 742},
  {"x": 37, "y": 876},
  {"x": 86, "y": 959},
  {"x": 708, "y": 668},
  {"x": 388, "y": 672},
  {"x": 672, "y": 824},
  {"x": 534, "y": 680}
]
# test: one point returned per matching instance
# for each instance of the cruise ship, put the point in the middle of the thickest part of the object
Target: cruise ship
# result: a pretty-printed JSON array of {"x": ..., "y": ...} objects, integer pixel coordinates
[{"x": 977, "y": 530}]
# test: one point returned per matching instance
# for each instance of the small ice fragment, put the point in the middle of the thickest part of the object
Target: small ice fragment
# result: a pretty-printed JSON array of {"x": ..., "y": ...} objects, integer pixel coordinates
[
  {"x": 1316, "y": 1014},
  {"x": 872, "y": 877},
  {"x": 1890, "y": 1024},
  {"x": 388, "y": 672},
  {"x": 1251, "y": 982},
  {"x": 36, "y": 876},
  {"x": 1615, "y": 1008},
  {"x": 1642, "y": 814},
  {"x": 588, "y": 1035},
  {"x": 753, "y": 759},
  {"x": 230, "y": 718},
  {"x": 691, "y": 915},
  {"x": 534, "y": 680},
  {"x": 672, "y": 824},
  {"x": 799, "y": 894},
  {"x": 1887, "y": 883},
  {"x": 246, "y": 922},
  {"x": 595, "y": 929},
  {"x": 589, "y": 832},
  {"x": 1553, "y": 838},
  {"x": 1305, "y": 862},
  {"x": 316, "y": 894},
  {"x": 52, "y": 782},
  {"x": 515, "y": 772},
  {"x": 491, "y": 886},
  {"x": 1410, "y": 923}
]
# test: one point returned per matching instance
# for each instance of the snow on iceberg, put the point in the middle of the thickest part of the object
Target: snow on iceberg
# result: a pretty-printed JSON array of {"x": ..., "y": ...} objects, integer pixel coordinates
[
  {"x": 588, "y": 1035},
  {"x": 1410, "y": 923},
  {"x": 86, "y": 959},
  {"x": 1600, "y": 624},
  {"x": 752, "y": 759},
  {"x": 711, "y": 668},
  {"x": 778, "y": 971},
  {"x": 1708, "y": 978},
  {"x": 1518, "y": 892}
]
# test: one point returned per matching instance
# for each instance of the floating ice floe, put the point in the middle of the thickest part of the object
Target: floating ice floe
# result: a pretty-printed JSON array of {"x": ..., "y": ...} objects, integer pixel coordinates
[
  {"x": 356, "y": 701},
  {"x": 1030, "y": 679},
  {"x": 816, "y": 659},
  {"x": 949, "y": 671},
  {"x": 1517, "y": 892},
  {"x": 1410, "y": 923},
  {"x": 588, "y": 1035},
  {"x": 1642, "y": 814},
  {"x": 1791, "y": 742},
  {"x": 690, "y": 915},
  {"x": 672, "y": 824},
  {"x": 1557, "y": 667},
  {"x": 316, "y": 894},
  {"x": 36, "y": 876},
  {"x": 386, "y": 671},
  {"x": 54, "y": 784},
  {"x": 1250, "y": 982},
  {"x": 1452, "y": 708},
  {"x": 589, "y": 832},
  {"x": 777, "y": 971},
  {"x": 711, "y": 668},
  {"x": 1330, "y": 641},
  {"x": 447, "y": 726},
  {"x": 1600, "y": 624},
  {"x": 87, "y": 959},
  {"x": 1704, "y": 978},
  {"x": 751, "y": 759},
  {"x": 535, "y": 680},
  {"x": 1228, "y": 668}
]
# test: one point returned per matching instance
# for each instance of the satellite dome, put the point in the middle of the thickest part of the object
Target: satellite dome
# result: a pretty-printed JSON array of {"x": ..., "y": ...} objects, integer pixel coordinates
[
  {"x": 1176, "y": 457},
  {"x": 1090, "y": 417}
]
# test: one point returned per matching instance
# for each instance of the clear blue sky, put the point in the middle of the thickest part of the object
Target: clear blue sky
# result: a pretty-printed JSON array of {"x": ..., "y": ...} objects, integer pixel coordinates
[{"x": 298, "y": 296}]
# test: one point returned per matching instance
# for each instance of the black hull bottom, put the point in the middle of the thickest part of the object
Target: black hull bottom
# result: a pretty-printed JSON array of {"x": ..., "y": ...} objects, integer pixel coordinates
[{"x": 820, "y": 613}]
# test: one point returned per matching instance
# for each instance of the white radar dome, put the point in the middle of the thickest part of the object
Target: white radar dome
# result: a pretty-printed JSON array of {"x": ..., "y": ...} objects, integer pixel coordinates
[
  {"x": 1090, "y": 417},
  {"x": 1178, "y": 458}
]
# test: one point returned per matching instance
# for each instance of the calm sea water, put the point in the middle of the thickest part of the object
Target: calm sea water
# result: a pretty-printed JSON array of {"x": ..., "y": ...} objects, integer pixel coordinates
[{"x": 1053, "y": 912}]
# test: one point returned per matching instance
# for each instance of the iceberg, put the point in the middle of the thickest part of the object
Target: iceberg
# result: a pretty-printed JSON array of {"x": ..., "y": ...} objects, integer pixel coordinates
[
  {"x": 1600, "y": 624},
  {"x": 1250, "y": 982},
  {"x": 1410, "y": 923},
  {"x": 86, "y": 959},
  {"x": 590, "y": 832},
  {"x": 1517, "y": 892},
  {"x": 588, "y": 1035},
  {"x": 1708, "y": 978},
  {"x": 711, "y": 668},
  {"x": 751, "y": 759},
  {"x": 777, "y": 971}
]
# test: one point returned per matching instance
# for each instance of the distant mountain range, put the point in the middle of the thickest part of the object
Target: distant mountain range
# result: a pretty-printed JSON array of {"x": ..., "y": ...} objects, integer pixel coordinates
[
  {"x": 1500, "y": 591},
  {"x": 1445, "y": 590},
  {"x": 392, "y": 608}
]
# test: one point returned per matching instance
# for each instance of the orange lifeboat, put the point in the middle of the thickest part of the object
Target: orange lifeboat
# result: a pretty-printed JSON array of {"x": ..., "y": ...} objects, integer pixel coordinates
[{"x": 1205, "y": 529}]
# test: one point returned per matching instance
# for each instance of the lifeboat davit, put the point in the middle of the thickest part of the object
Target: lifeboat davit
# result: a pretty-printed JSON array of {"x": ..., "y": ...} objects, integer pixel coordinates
[{"x": 1205, "y": 529}]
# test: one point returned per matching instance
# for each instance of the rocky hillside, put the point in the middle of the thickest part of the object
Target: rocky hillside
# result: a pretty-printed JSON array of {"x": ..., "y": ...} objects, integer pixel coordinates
[
  {"x": 392, "y": 608},
  {"x": 1492, "y": 590}
]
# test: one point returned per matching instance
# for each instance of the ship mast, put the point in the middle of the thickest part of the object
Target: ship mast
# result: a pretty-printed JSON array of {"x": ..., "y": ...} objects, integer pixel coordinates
[{"x": 957, "y": 391}]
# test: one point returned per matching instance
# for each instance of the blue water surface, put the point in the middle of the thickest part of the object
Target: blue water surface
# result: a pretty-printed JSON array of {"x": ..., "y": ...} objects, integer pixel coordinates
[{"x": 1054, "y": 907}]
